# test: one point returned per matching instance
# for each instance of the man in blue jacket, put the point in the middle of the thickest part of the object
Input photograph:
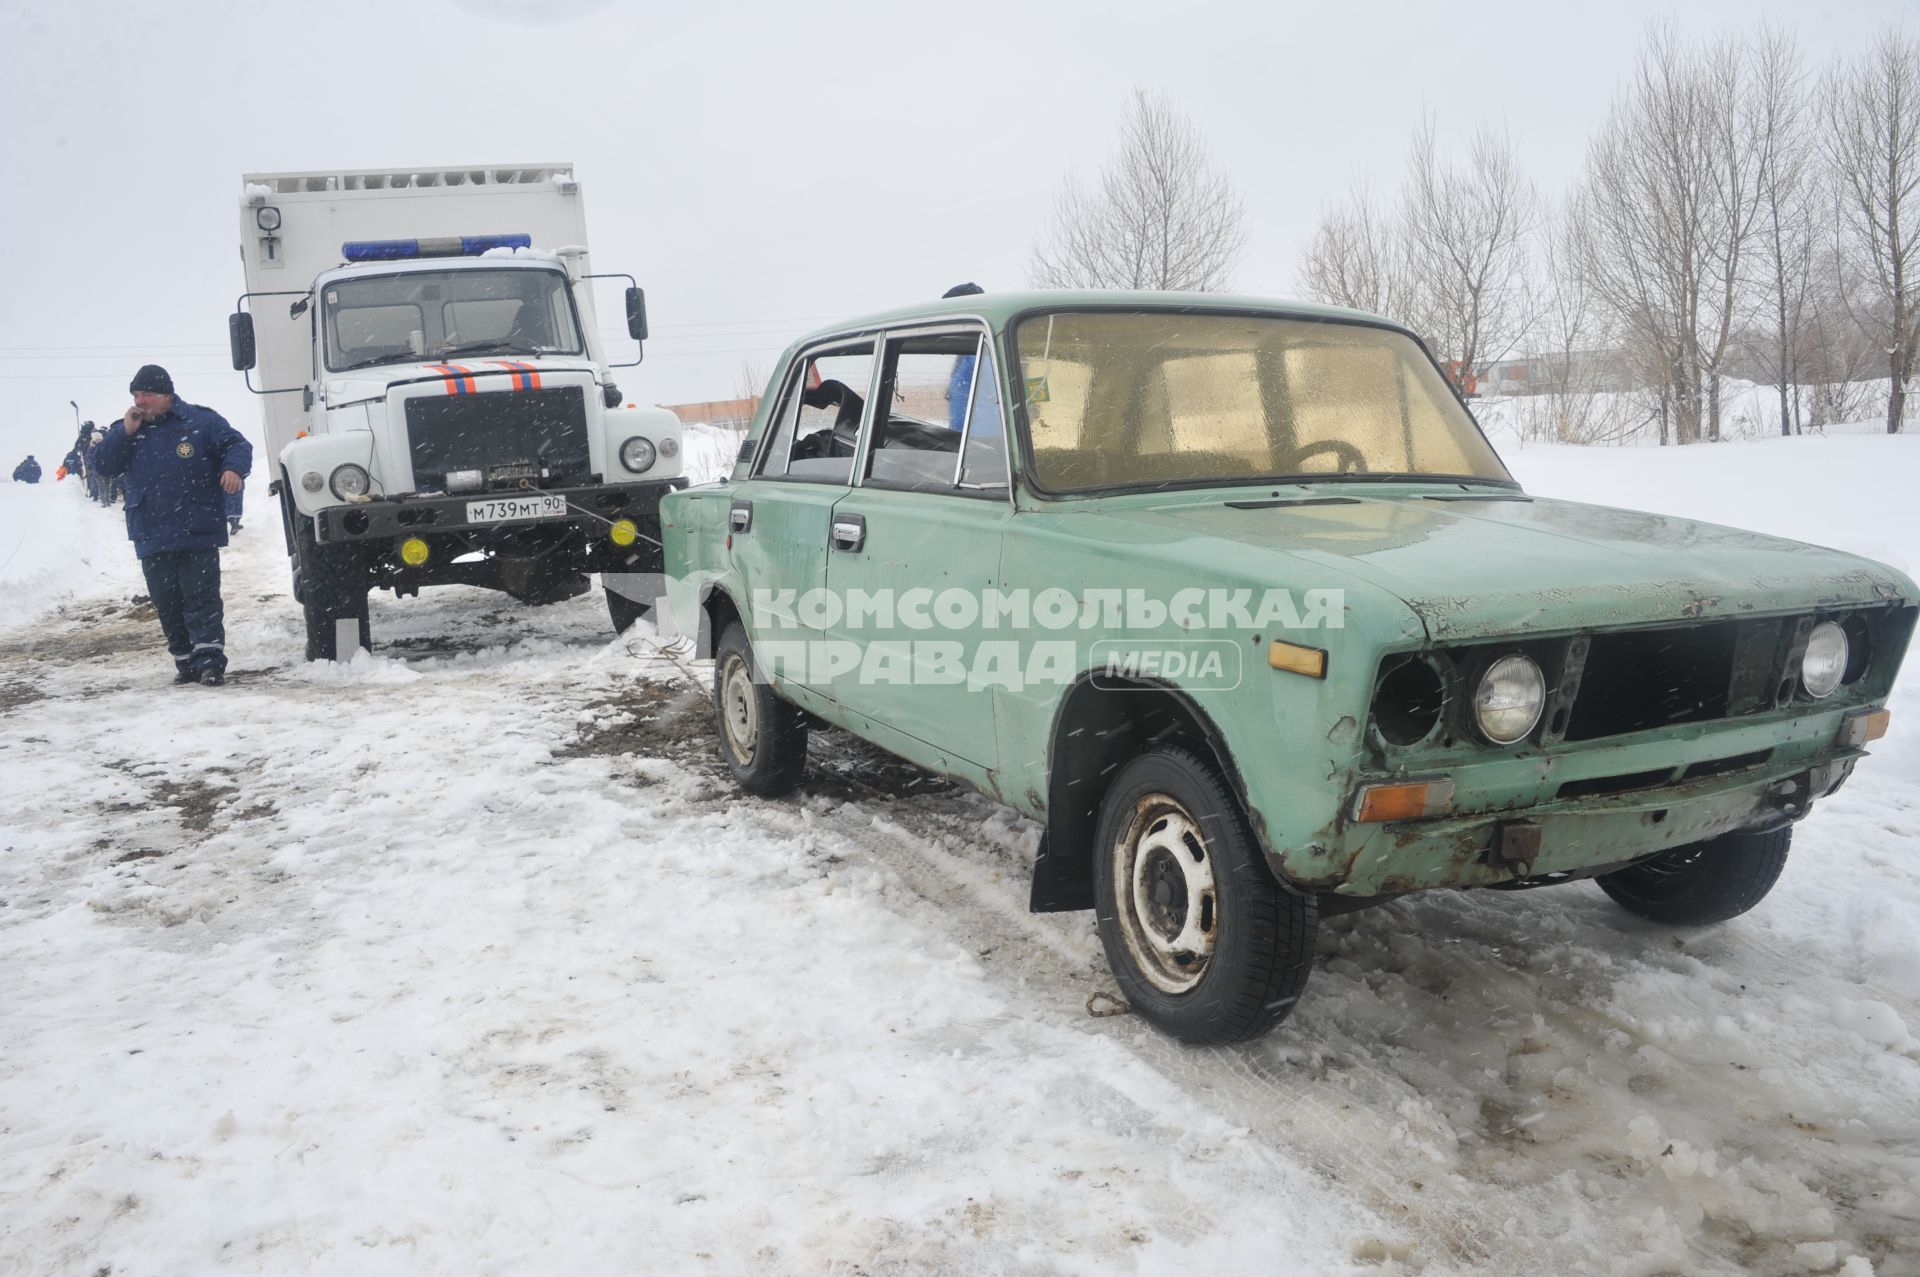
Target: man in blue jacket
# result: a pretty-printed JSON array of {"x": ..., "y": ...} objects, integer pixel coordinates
[{"x": 179, "y": 460}]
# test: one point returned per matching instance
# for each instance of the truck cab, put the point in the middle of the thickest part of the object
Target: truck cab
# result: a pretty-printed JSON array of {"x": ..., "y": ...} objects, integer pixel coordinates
[{"x": 440, "y": 409}]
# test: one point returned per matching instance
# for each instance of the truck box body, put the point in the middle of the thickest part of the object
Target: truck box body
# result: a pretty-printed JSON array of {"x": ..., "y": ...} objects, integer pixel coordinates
[{"x": 320, "y": 211}]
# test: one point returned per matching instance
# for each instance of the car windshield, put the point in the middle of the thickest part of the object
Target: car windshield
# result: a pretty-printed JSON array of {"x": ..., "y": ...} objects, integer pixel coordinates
[
  {"x": 443, "y": 314},
  {"x": 1160, "y": 397}
]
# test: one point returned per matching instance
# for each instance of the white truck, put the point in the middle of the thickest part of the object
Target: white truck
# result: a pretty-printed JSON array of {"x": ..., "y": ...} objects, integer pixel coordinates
[{"x": 439, "y": 408}]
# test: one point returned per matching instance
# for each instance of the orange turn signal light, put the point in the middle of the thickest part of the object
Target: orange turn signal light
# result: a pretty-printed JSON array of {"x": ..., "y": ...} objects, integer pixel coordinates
[
  {"x": 1857, "y": 729},
  {"x": 1404, "y": 800},
  {"x": 1295, "y": 659}
]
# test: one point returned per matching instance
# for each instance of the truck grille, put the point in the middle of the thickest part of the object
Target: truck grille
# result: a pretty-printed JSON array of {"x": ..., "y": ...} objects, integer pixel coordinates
[{"x": 516, "y": 438}]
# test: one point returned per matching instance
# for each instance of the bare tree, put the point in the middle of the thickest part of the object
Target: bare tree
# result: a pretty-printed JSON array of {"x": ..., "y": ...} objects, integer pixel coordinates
[
  {"x": 1467, "y": 229},
  {"x": 1651, "y": 189},
  {"x": 1731, "y": 111},
  {"x": 1163, "y": 215},
  {"x": 1357, "y": 258},
  {"x": 1787, "y": 223},
  {"x": 1567, "y": 363},
  {"x": 1872, "y": 111}
]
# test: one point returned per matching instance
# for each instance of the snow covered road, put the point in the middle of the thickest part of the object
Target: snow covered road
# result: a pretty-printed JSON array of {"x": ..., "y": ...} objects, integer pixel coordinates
[{"x": 466, "y": 958}]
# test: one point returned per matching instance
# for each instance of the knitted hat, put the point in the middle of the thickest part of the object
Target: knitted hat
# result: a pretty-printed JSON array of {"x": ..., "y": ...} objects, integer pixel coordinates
[{"x": 153, "y": 379}]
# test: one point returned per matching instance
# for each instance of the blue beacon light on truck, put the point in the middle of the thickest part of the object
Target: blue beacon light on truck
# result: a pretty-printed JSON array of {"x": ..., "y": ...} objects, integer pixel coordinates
[{"x": 395, "y": 250}]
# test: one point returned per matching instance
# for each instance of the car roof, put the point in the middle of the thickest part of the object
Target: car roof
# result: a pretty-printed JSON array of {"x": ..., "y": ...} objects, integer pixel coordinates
[{"x": 999, "y": 308}]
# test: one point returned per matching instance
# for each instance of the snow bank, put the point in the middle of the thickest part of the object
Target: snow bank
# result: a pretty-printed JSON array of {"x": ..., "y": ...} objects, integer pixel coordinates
[
  {"x": 710, "y": 451},
  {"x": 55, "y": 544}
]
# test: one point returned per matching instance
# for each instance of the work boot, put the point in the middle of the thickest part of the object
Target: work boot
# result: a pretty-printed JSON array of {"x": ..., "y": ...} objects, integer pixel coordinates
[
  {"x": 181, "y": 677},
  {"x": 211, "y": 677},
  {"x": 233, "y": 526}
]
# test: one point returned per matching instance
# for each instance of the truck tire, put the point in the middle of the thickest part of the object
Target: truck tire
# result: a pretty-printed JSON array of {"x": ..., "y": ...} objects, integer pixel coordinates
[
  {"x": 332, "y": 587},
  {"x": 762, "y": 737},
  {"x": 624, "y": 611},
  {"x": 1202, "y": 940},
  {"x": 1702, "y": 882}
]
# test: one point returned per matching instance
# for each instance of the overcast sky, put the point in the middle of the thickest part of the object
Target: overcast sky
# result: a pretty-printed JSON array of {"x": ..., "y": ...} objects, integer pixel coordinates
[{"x": 760, "y": 168}]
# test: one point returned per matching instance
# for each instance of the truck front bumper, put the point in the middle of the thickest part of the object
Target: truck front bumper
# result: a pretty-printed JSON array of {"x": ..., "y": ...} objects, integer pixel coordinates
[{"x": 389, "y": 518}]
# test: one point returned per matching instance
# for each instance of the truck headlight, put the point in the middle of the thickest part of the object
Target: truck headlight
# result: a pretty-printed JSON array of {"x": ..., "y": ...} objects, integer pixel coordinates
[
  {"x": 312, "y": 481},
  {"x": 1508, "y": 701},
  {"x": 669, "y": 447},
  {"x": 349, "y": 481},
  {"x": 637, "y": 454},
  {"x": 1825, "y": 661}
]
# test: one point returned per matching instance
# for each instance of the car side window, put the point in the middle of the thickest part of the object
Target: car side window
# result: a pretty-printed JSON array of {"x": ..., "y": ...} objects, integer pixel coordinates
[
  {"x": 983, "y": 465},
  {"x": 941, "y": 430},
  {"x": 817, "y": 426}
]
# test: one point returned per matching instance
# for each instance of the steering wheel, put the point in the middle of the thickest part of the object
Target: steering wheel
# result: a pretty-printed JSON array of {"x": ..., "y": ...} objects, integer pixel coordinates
[
  {"x": 844, "y": 436},
  {"x": 1352, "y": 460}
]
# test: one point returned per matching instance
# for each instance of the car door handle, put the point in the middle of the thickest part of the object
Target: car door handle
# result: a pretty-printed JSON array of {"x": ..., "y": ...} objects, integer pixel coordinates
[
  {"x": 849, "y": 532},
  {"x": 740, "y": 517}
]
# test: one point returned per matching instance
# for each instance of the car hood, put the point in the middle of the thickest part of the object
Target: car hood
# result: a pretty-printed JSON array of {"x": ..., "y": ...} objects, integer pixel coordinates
[{"x": 1480, "y": 565}]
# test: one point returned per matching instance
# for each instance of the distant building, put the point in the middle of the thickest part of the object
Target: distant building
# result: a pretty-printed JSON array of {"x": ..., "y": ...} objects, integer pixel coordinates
[
  {"x": 1581, "y": 371},
  {"x": 728, "y": 414}
]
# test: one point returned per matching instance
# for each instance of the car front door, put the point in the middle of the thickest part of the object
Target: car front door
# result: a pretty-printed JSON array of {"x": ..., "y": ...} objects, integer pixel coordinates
[{"x": 779, "y": 521}]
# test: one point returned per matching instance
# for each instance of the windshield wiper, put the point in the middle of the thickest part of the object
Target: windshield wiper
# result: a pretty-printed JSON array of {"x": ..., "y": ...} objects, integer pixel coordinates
[
  {"x": 1401, "y": 476},
  {"x": 484, "y": 348}
]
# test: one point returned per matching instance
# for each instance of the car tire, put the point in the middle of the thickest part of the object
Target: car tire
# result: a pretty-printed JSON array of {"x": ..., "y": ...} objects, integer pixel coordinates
[
  {"x": 1701, "y": 882},
  {"x": 1205, "y": 944},
  {"x": 762, "y": 737},
  {"x": 623, "y": 611},
  {"x": 332, "y": 587}
]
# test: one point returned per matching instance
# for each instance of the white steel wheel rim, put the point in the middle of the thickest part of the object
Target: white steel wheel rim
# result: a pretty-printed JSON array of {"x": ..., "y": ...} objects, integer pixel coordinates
[
  {"x": 1168, "y": 905},
  {"x": 738, "y": 713}
]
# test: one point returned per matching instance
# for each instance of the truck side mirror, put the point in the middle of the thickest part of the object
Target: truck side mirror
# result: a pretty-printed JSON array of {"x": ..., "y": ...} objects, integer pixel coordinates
[
  {"x": 240, "y": 338},
  {"x": 637, "y": 313}
]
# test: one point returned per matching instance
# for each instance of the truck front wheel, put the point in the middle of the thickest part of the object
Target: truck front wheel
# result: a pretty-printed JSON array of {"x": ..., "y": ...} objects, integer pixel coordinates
[
  {"x": 332, "y": 588},
  {"x": 1202, "y": 940},
  {"x": 624, "y": 611}
]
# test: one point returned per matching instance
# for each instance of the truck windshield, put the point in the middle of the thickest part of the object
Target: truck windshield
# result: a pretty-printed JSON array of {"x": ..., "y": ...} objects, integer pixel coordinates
[
  {"x": 1162, "y": 398},
  {"x": 444, "y": 314}
]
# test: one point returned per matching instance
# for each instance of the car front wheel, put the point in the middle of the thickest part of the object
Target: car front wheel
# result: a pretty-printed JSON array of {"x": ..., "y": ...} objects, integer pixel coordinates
[
  {"x": 1702, "y": 882},
  {"x": 762, "y": 738},
  {"x": 1202, "y": 940}
]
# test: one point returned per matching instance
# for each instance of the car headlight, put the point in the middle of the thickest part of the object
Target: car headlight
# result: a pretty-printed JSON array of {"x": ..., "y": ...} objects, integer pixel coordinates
[
  {"x": 1825, "y": 661},
  {"x": 1508, "y": 701},
  {"x": 349, "y": 481},
  {"x": 637, "y": 454}
]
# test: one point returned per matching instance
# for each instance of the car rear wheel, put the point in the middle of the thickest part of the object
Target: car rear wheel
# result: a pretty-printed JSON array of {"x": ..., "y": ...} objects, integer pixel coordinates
[
  {"x": 1202, "y": 940},
  {"x": 762, "y": 738},
  {"x": 1702, "y": 882}
]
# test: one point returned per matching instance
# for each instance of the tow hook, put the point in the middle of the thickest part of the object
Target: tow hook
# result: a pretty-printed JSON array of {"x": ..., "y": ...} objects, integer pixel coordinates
[
  {"x": 1786, "y": 801},
  {"x": 1515, "y": 846}
]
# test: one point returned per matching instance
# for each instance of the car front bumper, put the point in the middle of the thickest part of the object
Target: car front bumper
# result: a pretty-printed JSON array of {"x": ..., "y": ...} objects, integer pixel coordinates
[{"x": 1587, "y": 811}]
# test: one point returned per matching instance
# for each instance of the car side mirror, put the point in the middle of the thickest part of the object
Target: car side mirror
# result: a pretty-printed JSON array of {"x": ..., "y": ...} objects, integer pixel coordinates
[
  {"x": 637, "y": 313},
  {"x": 240, "y": 338}
]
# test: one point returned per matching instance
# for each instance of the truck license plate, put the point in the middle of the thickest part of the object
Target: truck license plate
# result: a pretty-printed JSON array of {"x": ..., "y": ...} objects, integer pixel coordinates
[{"x": 507, "y": 509}]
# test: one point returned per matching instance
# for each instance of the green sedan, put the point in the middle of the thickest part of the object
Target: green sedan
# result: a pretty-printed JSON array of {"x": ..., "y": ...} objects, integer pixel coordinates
[{"x": 1235, "y": 598}]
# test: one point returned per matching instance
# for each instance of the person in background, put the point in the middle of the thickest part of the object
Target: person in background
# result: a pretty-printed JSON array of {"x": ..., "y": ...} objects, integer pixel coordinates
[
  {"x": 27, "y": 471},
  {"x": 96, "y": 486},
  {"x": 180, "y": 460},
  {"x": 72, "y": 464}
]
